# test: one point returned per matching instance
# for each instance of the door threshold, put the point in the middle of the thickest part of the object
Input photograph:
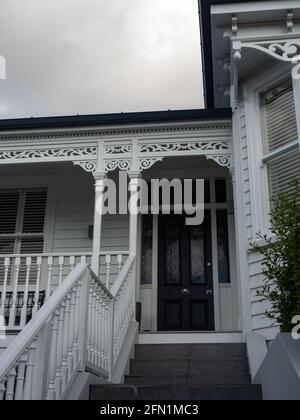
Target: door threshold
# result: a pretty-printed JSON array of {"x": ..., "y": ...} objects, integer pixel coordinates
[{"x": 211, "y": 337}]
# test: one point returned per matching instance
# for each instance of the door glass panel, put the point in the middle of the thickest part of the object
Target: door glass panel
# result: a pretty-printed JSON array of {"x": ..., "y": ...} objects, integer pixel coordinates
[
  {"x": 173, "y": 251},
  {"x": 146, "y": 264},
  {"x": 223, "y": 247},
  {"x": 197, "y": 255},
  {"x": 221, "y": 191}
]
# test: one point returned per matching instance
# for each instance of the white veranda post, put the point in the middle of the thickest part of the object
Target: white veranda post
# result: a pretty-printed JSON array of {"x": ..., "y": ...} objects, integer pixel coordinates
[
  {"x": 98, "y": 212},
  {"x": 133, "y": 223},
  {"x": 296, "y": 84}
]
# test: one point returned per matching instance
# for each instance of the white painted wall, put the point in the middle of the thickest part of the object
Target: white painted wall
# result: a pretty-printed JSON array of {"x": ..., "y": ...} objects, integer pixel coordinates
[
  {"x": 74, "y": 213},
  {"x": 253, "y": 276}
]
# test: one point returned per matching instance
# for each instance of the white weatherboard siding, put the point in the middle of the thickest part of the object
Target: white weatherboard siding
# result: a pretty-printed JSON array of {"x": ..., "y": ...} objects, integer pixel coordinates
[
  {"x": 75, "y": 212},
  {"x": 260, "y": 323}
]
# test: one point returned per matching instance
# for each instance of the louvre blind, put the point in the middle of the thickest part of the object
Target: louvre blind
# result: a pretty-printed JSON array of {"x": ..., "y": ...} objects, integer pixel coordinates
[
  {"x": 9, "y": 204},
  {"x": 282, "y": 171},
  {"x": 281, "y": 130},
  {"x": 34, "y": 211},
  {"x": 22, "y": 212},
  {"x": 280, "y": 116}
]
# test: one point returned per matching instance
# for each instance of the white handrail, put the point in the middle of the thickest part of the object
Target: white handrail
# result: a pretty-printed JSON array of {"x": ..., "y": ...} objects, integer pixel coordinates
[
  {"x": 28, "y": 280},
  {"x": 81, "y": 324},
  {"x": 11, "y": 354},
  {"x": 63, "y": 254}
]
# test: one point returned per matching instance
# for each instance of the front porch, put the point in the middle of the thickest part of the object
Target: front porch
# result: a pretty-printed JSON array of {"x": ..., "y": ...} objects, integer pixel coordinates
[{"x": 29, "y": 278}]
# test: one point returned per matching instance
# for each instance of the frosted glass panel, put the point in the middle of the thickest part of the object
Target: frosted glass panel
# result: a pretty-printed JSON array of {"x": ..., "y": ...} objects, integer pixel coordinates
[
  {"x": 197, "y": 256},
  {"x": 173, "y": 252}
]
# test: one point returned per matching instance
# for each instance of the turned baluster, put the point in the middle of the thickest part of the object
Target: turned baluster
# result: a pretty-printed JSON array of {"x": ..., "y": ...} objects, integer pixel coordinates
[
  {"x": 12, "y": 313},
  {"x": 64, "y": 365},
  {"x": 51, "y": 394},
  {"x": 26, "y": 290},
  {"x": 59, "y": 351},
  {"x": 37, "y": 286},
  {"x": 50, "y": 266},
  {"x": 2, "y": 388},
  {"x": 89, "y": 335},
  {"x": 119, "y": 262},
  {"x": 60, "y": 269},
  {"x": 70, "y": 358},
  {"x": 97, "y": 330},
  {"x": 93, "y": 326},
  {"x": 102, "y": 330},
  {"x": 72, "y": 263},
  {"x": 105, "y": 335},
  {"x": 10, "y": 385},
  {"x": 108, "y": 264},
  {"x": 30, "y": 370},
  {"x": 76, "y": 323},
  {"x": 20, "y": 381}
]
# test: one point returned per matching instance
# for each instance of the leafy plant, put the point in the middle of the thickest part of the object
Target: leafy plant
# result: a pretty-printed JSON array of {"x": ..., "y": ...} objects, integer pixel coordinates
[{"x": 281, "y": 259}]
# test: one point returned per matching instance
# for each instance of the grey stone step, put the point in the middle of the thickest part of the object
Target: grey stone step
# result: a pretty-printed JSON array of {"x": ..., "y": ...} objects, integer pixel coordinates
[
  {"x": 188, "y": 367},
  {"x": 208, "y": 379},
  {"x": 186, "y": 351},
  {"x": 174, "y": 392}
]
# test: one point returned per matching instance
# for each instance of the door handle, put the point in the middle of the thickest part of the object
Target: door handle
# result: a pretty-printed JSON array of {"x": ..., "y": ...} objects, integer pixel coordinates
[
  {"x": 209, "y": 292},
  {"x": 185, "y": 292}
]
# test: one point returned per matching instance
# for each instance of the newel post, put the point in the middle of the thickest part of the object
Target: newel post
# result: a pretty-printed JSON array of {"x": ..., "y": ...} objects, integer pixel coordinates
[{"x": 98, "y": 211}]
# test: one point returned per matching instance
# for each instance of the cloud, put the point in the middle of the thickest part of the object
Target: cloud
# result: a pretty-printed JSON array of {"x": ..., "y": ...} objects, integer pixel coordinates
[{"x": 99, "y": 56}]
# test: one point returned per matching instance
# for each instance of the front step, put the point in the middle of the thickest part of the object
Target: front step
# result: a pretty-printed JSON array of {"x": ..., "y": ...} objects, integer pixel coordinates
[
  {"x": 174, "y": 393},
  {"x": 208, "y": 379},
  {"x": 184, "y": 372},
  {"x": 190, "y": 351},
  {"x": 188, "y": 367}
]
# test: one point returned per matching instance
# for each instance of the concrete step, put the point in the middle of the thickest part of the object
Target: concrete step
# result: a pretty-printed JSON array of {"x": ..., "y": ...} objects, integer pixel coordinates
[
  {"x": 174, "y": 392},
  {"x": 208, "y": 379},
  {"x": 189, "y": 351},
  {"x": 191, "y": 367}
]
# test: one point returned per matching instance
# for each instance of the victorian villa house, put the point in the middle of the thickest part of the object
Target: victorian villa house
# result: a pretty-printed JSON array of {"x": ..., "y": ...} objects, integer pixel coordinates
[{"x": 130, "y": 306}]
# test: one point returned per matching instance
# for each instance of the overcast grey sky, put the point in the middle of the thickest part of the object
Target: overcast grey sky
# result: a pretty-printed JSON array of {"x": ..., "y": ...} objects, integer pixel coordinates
[{"x": 99, "y": 56}]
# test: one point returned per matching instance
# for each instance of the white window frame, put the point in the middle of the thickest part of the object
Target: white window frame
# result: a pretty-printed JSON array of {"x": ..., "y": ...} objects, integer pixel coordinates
[{"x": 258, "y": 170}]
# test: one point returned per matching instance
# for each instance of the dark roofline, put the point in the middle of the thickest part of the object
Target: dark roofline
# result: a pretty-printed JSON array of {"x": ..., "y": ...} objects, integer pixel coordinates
[
  {"x": 206, "y": 44},
  {"x": 114, "y": 119}
]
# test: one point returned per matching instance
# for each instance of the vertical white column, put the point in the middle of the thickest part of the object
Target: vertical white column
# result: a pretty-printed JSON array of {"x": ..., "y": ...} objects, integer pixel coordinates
[
  {"x": 133, "y": 228},
  {"x": 99, "y": 193},
  {"x": 245, "y": 319},
  {"x": 296, "y": 85}
]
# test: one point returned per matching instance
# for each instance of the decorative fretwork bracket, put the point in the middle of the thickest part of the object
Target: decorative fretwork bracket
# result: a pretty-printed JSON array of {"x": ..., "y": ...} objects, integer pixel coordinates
[
  {"x": 284, "y": 50},
  {"x": 131, "y": 155}
]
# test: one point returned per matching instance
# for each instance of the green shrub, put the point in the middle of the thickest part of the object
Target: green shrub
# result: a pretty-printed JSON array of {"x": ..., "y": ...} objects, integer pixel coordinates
[{"x": 281, "y": 259}]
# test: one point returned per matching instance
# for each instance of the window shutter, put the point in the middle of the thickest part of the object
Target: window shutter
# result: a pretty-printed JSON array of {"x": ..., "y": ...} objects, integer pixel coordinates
[
  {"x": 280, "y": 116},
  {"x": 34, "y": 211},
  {"x": 9, "y": 204}
]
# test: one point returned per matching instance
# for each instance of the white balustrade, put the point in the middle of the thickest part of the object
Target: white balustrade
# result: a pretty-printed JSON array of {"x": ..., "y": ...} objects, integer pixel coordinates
[
  {"x": 82, "y": 324},
  {"x": 27, "y": 281}
]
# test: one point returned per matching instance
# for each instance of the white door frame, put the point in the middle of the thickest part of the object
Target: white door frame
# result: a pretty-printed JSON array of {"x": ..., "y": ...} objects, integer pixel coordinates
[{"x": 213, "y": 207}]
